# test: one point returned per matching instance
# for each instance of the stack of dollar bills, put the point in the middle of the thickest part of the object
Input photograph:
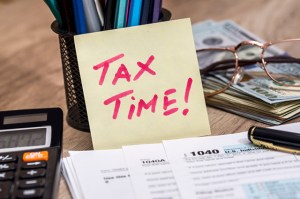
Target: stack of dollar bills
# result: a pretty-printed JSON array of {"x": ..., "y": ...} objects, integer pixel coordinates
[{"x": 257, "y": 99}]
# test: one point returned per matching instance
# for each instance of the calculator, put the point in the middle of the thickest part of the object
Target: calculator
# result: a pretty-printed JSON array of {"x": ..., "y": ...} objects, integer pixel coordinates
[{"x": 30, "y": 153}]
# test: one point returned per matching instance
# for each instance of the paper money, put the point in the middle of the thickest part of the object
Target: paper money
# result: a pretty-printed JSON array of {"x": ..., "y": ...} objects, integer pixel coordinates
[
  {"x": 209, "y": 34},
  {"x": 227, "y": 33},
  {"x": 254, "y": 95},
  {"x": 250, "y": 107}
]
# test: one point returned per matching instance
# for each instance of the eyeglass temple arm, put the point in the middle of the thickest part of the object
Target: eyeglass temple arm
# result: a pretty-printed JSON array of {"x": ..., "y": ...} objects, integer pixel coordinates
[{"x": 230, "y": 63}]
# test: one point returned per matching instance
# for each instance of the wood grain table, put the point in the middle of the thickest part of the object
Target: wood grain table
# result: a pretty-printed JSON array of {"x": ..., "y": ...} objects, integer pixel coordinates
[{"x": 30, "y": 64}]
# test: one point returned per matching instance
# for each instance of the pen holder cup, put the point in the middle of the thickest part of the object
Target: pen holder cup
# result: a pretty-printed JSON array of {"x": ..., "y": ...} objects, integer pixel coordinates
[{"x": 77, "y": 115}]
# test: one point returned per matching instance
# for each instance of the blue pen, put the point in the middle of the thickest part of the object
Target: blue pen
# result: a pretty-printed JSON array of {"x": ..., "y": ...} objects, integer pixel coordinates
[
  {"x": 135, "y": 12},
  {"x": 76, "y": 19},
  {"x": 79, "y": 17},
  {"x": 120, "y": 16}
]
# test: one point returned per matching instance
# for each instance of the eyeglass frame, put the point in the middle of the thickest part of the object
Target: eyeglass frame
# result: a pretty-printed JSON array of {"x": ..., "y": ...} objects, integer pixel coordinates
[{"x": 261, "y": 61}]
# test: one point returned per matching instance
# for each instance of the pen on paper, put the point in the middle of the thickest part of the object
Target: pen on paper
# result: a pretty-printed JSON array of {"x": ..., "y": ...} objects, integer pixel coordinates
[{"x": 275, "y": 139}]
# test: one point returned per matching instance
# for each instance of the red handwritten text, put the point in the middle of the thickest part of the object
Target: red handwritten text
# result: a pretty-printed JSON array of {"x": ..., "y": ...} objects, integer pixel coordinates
[
  {"x": 122, "y": 72},
  {"x": 136, "y": 107},
  {"x": 169, "y": 104}
]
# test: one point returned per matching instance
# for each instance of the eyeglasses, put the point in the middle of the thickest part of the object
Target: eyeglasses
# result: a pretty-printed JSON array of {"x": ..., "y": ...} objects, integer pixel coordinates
[{"x": 273, "y": 64}]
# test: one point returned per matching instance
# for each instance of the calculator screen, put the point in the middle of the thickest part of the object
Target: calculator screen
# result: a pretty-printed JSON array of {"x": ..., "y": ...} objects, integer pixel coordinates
[
  {"x": 17, "y": 119},
  {"x": 21, "y": 138},
  {"x": 24, "y": 138}
]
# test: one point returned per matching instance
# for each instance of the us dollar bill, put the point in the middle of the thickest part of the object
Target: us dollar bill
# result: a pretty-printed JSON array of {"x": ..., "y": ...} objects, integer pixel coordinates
[{"x": 211, "y": 34}]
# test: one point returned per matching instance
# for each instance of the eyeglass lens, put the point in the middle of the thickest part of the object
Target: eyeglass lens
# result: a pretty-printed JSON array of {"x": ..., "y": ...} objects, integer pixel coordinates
[
  {"x": 285, "y": 67},
  {"x": 282, "y": 65},
  {"x": 214, "y": 61}
]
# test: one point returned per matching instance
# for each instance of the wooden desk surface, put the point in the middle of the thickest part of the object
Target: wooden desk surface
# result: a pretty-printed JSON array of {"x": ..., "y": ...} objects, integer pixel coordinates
[{"x": 31, "y": 72}]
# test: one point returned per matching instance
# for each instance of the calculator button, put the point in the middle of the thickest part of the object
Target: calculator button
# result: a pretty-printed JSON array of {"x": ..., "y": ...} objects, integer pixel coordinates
[
  {"x": 7, "y": 166},
  {"x": 32, "y": 173},
  {"x": 38, "y": 182},
  {"x": 35, "y": 156},
  {"x": 7, "y": 158},
  {"x": 5, "y": 189},
  {"x": 6, "y": 176},
  {"x": 30, "y": 193},
  {"x": 33, "y": 165}
]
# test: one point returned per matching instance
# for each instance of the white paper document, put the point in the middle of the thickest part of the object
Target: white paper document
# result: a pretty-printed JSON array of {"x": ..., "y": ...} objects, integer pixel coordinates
[
  {"x": 212, "y": 167},
  {"x": 71, "y": 178},
  {"x": 229, "y": 166},
  {"x": 100, "y": 174},
  {"x": 150, "y": 172}
]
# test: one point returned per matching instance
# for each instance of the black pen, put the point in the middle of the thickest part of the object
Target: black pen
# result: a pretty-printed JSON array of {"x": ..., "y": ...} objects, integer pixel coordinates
[
  {"x": 275, "y": 139},
  {"x": 109, "y": 14}
]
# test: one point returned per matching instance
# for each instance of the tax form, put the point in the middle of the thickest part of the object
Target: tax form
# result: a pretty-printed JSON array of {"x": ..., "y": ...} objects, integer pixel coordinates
[
  {"x": 150, "y": 172},
  {"x": 100, "y": 174},
  {"x": 229, "y": 166}
]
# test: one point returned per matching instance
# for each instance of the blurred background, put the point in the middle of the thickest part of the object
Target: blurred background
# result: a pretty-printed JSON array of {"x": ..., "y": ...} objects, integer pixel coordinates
[
  {"x": 31, "y": 73},
  {"x": 30, "y": 63}
]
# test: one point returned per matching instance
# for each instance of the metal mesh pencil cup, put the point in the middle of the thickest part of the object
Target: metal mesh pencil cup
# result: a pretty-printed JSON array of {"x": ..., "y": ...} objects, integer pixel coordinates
[{"x": 77, "y": 115}]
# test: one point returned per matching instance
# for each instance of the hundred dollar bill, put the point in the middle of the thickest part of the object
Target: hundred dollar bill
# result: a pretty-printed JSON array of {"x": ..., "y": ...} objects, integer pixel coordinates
[
  {"x": 257, "y": 116},
  {"x": 227, "y": 33},
  {"x": 252, "y": 108},
  {"x": 268, "y": 91},
  {"x": 210, "y": 34},
  {"x": 260, "y": 85},
  {"x": 215, "y": 83},
  {"x": 238, "y": 102},
  {"x": 261, "y": 88},
  {"x": 233, "y": 30}
]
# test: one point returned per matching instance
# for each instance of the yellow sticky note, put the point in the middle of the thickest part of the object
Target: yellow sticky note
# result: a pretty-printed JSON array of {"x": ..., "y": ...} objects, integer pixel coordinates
[{"x": 142, "y": 84}]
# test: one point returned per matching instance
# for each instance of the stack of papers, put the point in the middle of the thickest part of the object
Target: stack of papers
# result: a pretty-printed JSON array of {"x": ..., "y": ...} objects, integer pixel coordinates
[{"x": 226, "y": 166}]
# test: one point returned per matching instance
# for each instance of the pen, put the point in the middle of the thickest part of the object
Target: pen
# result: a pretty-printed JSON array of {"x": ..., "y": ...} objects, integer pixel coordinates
[
  {"x": 100, "y": 10},
  {"x": 92, "y": 19},
  {"x": 147, "y": 11},
  {"x": 66, "y": 12},
  {"x": 52, "y": 4},
  {"x": 275, "y": 139},
  {"x": 134, "y": 13},
  {"x": 79, "y": 17},
  {"x": 120, "y": 14},
  {"x": 109, "y": 14},
  {"x": 156, "y": 10}
]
